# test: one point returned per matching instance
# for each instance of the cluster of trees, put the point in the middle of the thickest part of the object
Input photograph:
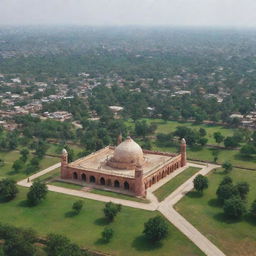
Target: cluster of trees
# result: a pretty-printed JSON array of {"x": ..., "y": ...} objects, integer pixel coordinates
[
  {"x": 233, "y": 197},
  {"x": 21, "y": 241}
]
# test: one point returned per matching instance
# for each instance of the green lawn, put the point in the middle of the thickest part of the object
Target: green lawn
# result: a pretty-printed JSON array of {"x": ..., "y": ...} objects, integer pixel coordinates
[
  {"x": 174, "y": 183},
  {"x": 234, "y": 238},
  {"x": 50, "y": 175},
  {"x": 54, "y": 215},
  {"x": 10, "y": 157}
]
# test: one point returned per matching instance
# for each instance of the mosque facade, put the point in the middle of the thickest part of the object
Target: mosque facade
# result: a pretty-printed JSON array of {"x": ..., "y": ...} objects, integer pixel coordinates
[{"x": 126, "y": 168}]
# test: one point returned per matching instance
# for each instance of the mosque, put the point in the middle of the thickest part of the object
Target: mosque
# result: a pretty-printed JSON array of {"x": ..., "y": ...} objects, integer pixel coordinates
[{"x": 126, "y": 168}]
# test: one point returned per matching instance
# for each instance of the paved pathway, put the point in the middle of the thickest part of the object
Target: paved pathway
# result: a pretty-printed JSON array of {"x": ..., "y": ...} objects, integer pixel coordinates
[{"x": 165, "y": 207}]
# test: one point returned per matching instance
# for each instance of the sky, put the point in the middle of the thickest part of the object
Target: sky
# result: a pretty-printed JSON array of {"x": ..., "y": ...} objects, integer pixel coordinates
[{"x": 223, "y": 13}]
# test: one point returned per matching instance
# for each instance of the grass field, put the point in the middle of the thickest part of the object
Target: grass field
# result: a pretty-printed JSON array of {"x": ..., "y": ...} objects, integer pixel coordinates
[
  {"x": 174, "y": 183},
  {"x": 234, "y": 238},
  {"x": 10, "y": 157},
  {"x": 54, "y": 215}
]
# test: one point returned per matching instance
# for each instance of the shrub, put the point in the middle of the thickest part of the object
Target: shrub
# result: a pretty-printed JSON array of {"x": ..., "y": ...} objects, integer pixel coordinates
[
  {"x": 111, "y": 210},
  {"x": 155, "y": 229},
  {"x": 234, "y": 207},
  {"x": 37, "y": 193},
  {"x": 77, "y": 206},
  {"x": 200, "y": 183},
  {"x": 107, "y": 234},
  {"x": 8, "y": 189}
]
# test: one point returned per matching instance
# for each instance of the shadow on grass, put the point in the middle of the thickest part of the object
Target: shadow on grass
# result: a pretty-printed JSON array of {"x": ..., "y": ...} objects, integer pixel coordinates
[
  {"x": 140, "y": 243},
  {"x": 24, "y": 203},
  {"x": 214, "y": 203},
  {"x": 101, "y": 221},
  {"x": 70, "y": 214},
  {"x": 101, "y": 241},
  {"x": 194, "y": 194},
  {"x": 250, "y": 219},
  {"x": 222, "y": 218}
]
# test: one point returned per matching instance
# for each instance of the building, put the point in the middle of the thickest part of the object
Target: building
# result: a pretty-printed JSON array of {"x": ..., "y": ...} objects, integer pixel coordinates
[{"x": 124, "y": 168}]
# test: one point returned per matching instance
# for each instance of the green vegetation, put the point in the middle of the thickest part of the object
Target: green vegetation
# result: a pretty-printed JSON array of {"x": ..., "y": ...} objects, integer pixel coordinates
[
  {"x": 174, "y": 183},
  {"x": 90, "y": 224},
  {"x": 211, "y": 221}
]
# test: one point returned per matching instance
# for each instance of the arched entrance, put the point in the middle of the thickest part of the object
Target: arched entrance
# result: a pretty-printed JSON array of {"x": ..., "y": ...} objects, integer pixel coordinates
[
  {"x": 102, "y": 181},
  {"x": 75, "y": 176},
  {"x": 92, "y": 179},
  {"x": 83, "y": 176},
  {"x": 126, "y": 185},
  {"x": 116, "y": 184}
]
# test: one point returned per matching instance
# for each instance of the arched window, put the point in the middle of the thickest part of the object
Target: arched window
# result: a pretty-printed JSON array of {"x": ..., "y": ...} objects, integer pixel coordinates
[
  {"x": 92, "y": 179},
  {"x": 75, "y": 176},
  {"x": 83, "y": 176},
  {"x": 126, "y": 185},
  {"x": 116, "y": 184},
  {"x": 102, "y": 181}
]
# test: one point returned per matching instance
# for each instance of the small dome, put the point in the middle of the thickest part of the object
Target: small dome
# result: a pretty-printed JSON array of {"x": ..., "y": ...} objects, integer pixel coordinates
[
  {"x": 127, "y": 154},
  {"x": 64, "y": 151},
  {"x": 183, "y": 141}
]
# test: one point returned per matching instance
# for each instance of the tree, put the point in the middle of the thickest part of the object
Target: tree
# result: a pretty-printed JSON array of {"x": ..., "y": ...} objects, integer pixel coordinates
[
  {"x": 215, "y": 154},
  {"x": 234, "y": 207},
  {"x": 77, "y": 206},
  {"x": 155, "y": 229},
  {"x": 203, "y": 141},
  {"x": 37, "y": 193},
  {"x": 227, "y": 166},
  {"x": 111, "y": 210},
  {"x": 24, "y": 154},
  {"x": 253, "y": 209},
  {"x": 202, "y": 132},
  {"x": 226, "y": 180},
  {"x": 243, "y": 189},
  {"x": 225, "y": 192},
  {"x": 107, "y": 234},
  {"x": 248, "y": 150},
  {"x": 58, "y": 245},
  {"x": 200, "y": 183},
  {"x": 8, "y": 189},
  {"x": 218, "y": 137},
  {"x": 18, "y": 165},
  {"x": 231, "y": 142}
]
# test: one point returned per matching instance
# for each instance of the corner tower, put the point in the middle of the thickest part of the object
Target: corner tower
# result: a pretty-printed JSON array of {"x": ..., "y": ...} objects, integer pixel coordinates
[
  {"x": 64, "y": 163},
  {"x": 183, "y": 152},
  {"x": 139, "y": 184}
]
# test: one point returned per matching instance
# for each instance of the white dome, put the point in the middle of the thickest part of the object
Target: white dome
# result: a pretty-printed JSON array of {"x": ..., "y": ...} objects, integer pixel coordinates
[{"x": 128, "y": 152}]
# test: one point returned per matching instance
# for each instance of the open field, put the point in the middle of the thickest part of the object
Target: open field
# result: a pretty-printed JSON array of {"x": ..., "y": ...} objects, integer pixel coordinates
[
  {"x": 174, "y": 183},
  {"x": 54, "y": 215},
  {"x": 235, "y": 238},
  {"x": 10, "y": 157}
]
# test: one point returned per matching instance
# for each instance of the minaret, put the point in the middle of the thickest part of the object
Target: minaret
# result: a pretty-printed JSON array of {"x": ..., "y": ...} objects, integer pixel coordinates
[
  {"x": 139, "y": 184},
  {"x": 64, "y": 163},
  {"x": 183, "y": 152},
  {"x": 119, "y": 139}
]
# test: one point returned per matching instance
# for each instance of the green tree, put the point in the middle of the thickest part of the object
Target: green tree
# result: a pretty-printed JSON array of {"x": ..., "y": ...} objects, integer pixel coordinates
[
  {"x": 253, "y": 209},
  {"x": 202, "y": 132},
  {"x": 200, "y": 183},
  {"x": 243, "y": 189},
  {"x": 202, "y": 141},
  {"x": 107, "y": 234},
  {"x": 226, "y": 180},
  {"x": 234, "y": 207},
  {"x": 218, "y": 137},
  {"x": 155, "y": 229},
  {"x": 111, "y": 210},
  {"x": 17, "y": 165},
  {"x": 58, "y": 245},
  {"x": 225, "y": 192},
  {"x": 227, "y": 166},
  {"x": 8, "y": 189},
  {"x": 37, "y": 193},
  {"x": 248, "y": 150},
  {"x": 215, "y": 154},
  {"x": 77, "y": 206},
  {"x": 24, "y": 154}
]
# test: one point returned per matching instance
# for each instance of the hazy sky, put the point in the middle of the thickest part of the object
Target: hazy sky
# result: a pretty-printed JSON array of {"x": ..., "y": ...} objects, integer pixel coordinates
[{"x": 132, "y": 12}]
